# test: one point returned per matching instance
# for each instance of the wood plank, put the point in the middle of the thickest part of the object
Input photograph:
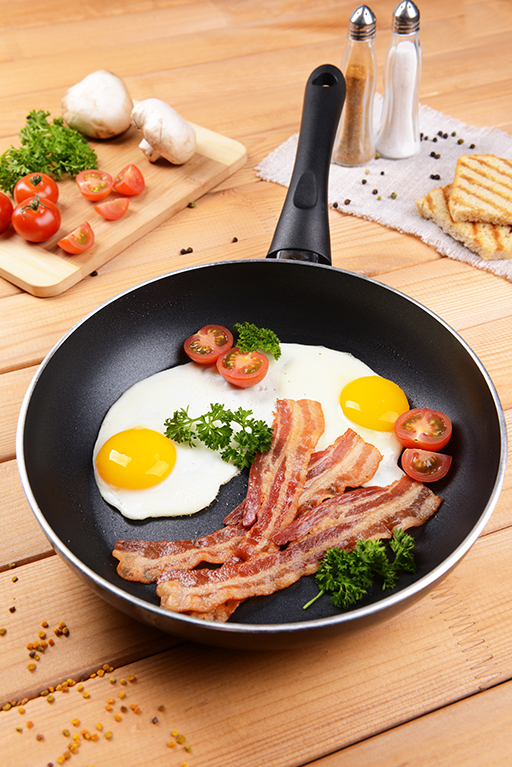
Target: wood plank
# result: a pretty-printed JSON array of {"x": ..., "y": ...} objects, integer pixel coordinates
[{"x": 464, "y": 618}]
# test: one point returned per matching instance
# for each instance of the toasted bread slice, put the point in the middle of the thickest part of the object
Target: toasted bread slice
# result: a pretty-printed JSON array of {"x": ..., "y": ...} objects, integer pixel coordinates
[
  {"x": 482, "y": 189},
  {"x": 490, "y": 241}
]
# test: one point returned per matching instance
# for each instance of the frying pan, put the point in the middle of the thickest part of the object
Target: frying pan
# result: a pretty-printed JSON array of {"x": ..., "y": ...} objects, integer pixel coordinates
[{"x": 141, "y": 331}]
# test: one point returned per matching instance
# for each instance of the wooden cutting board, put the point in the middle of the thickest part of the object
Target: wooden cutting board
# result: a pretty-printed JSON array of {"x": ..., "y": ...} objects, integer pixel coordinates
[{"x": 45, "y": 270}]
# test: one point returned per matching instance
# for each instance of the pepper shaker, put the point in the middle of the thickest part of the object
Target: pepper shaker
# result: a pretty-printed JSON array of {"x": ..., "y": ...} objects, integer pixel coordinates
[
  {"x": 399, "y": 135},
  {"x": 354, "y": 142}
]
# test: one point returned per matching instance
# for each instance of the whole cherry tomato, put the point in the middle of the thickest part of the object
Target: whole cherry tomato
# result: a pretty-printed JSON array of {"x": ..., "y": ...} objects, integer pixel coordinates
[
  {"x": 36, "y": 183},
  {"x": 5, "y": 211},
  {"x": 36, "y": 220}
]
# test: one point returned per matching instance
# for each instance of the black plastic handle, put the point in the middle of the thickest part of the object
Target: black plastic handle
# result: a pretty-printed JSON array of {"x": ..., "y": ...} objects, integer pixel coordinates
[{"x": 302, "y": 232}]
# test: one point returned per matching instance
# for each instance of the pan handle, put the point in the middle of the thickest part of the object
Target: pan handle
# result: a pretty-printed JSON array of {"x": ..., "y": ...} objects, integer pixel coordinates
[{"x": 302, "y": 232}]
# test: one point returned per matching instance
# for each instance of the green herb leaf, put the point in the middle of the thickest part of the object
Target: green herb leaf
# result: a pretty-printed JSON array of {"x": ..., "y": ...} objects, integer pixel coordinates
[
  {"x": 46, "y": 147},
  {"x": 251, "y": 339},
  {"x": 238, "y": 436},
  {"x": 347, "y": 575}
]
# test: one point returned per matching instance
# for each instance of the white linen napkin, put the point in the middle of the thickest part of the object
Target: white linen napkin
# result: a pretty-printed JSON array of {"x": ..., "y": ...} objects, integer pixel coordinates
[{"x": 399, "y": 183}]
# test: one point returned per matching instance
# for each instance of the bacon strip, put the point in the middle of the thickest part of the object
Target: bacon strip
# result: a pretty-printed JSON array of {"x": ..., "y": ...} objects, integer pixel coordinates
[
  {"x": 348, "y": 462},
  {"x": 145, "y": 561},
  {"x": 277, "y": 477},
  {"x": 405, "y": 504}
]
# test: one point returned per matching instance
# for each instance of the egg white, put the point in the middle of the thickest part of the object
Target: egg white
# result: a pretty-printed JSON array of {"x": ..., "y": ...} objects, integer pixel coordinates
[{"x": 302, "y": 372}]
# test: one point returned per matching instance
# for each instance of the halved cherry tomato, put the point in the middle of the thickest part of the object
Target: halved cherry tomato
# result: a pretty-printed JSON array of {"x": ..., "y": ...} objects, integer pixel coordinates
[
  {"x": 36, "y": 220},
  {"x": 94, "y": 184},
  {"x": 129, "y": 181},
  {"x": 425, "y": 465},
  {"x": 423, "y": 428},
  {"x": 208, "y": 344},
  {"x": 112, "y": 209},
  {"x": 242, "y": 369},
  {"x": 6, "y": 209},
  {"x": 36, "y": 183},
  {"x": 79, "y": 240}
]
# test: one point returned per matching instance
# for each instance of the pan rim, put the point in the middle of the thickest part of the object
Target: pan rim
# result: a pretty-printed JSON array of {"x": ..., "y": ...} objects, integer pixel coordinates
[{"x": 347, "y": 617}]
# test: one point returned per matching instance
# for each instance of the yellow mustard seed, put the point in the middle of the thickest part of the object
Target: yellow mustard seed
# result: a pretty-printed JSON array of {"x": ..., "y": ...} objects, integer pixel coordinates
[
  {"x": 188, "y": 749},
  {"x": 73, "y": 748},
  {"x": 19, "y": 729},
  {"x": 86, "y": 694},
  {"x": 112, "y": 680},
  {"x": 31, "y": 666},
  {"x": 65, "y": 688},
  {"x": 3, "y": 631},
  {"x": 67, "y": 754},
  {"x": 75, "y": 722},
  {"x": 111, "y": 701},
  {"x": 108, "y": 707},
  {"x": 21, "y": 710},
  {"x": 171, "y": 743},
  {"x": 51, "y": 642},
  {"x": 108, "y": 735},
  {"x": 132, "y": 678},
  {"x": 95, "y": 736},
  {"x": 122, "y": 681},
  {"x": 44, "y": 624},
  {"x": 60, "y": 760},
  {"x": 122, "y": 694},
  {"x": 100, "y": 672},
  {"x": 99, "y": 726},
  {"x": 14, "y": 578},
  {"x": 175, "y": 733},
  {"x": 93, "y": 675},
  {"x": 50, "y": 699},
  {"x": 181, "y": 739},
  {"x": 30, "y": 724},
  {"x": 80, "y": 687},
  {"x": 65, "y": 733},
  {"x": 117, "y": 717},
  {"x": 41, "y": 634},
  {"x": 184, "y": 764}
]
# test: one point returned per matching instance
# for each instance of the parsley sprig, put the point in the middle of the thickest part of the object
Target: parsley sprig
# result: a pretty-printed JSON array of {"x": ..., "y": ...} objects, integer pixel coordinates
[
  {"x": 251, "y": 338},
  {"x": 347, "y": 575},
  {"x": 46, "y": 147},
  {"x": 238, "y": 436}
]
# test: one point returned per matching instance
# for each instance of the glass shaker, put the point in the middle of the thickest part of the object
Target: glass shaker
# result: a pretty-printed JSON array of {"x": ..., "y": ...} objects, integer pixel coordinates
[
  {"x": 399, "y": 135},
  {"x": 354, "y": 143}
]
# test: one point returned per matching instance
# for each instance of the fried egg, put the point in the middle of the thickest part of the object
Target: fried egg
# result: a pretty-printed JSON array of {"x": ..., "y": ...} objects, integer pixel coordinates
[{"x": 143, "y": 474}]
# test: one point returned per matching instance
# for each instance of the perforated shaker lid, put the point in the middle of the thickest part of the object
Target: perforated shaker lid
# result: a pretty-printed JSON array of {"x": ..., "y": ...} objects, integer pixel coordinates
[
  {"x": 406, "y": 18},
  {"x": 362, "y": 24}
]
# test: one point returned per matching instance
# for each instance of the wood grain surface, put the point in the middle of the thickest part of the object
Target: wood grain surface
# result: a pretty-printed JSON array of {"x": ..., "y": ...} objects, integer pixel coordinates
[{"x": 432, "y": 686}]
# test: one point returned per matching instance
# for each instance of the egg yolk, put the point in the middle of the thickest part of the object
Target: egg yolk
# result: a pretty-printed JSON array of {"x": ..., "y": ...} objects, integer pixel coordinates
[
  {"x": 373, "y": 402},
  {"x": 136, "y": 459}
]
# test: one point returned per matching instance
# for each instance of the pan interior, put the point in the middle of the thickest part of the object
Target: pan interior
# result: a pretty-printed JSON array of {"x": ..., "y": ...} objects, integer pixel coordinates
[{"x": 142, "y": 331}]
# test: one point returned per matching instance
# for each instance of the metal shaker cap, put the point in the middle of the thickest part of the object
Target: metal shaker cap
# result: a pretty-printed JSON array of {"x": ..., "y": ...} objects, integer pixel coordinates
[
  {"x": 362, "y": 24},
  {"x": 406, "y": 18}
]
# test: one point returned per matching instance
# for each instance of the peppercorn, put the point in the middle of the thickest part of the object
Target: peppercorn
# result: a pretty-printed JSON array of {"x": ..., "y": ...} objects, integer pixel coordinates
[
  {"x": 235, "y": 239},
  {"x": 471, "y": 146},
  {"x": 375, "y": 191},
  {"x": 460, "y": 141},
  {"x": 363, "y": 181},
  {"x": 12, "y": 609},
  {"x": 335, "y": 205},
  {"x": 347, "y": 202},
  {"x": 3, "y": 631}
]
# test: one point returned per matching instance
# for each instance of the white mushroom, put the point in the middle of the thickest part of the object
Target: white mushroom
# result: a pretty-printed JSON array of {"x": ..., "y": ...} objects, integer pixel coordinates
[
  {"x": 166, "y": 133},
  {"x": 98, "y": 106}
]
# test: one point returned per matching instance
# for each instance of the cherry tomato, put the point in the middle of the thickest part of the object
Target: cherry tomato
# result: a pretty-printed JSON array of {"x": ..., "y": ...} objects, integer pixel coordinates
[
  {"x": 5, "y": 211},
  {"x": 208, "y": 344},
  {"x": 112, "y": 209},
  {"x": 129, "y": 181},
  {"x": 242, "y": 369},
  {"x": 36, "y": 220},
  {"x": 94, "y": 184},
  {"x": 425, "y": 465},
  {"x": 79, "y": 240},
  {"x": 423, "y": 428},
  {"x": 36, "y": 183}
]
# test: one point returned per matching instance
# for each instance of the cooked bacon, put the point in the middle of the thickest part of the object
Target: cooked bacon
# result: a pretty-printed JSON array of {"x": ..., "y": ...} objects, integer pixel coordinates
[
  {"x": 348, "y": 462},
  {"x": 405, "y": 504},
  {"x": 277, "y": 477},
  {"x": 145, "y": 561}
]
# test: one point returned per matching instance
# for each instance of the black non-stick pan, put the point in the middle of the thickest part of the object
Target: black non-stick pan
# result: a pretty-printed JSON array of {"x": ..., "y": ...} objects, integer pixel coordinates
[{"x": 141, "y": 332}]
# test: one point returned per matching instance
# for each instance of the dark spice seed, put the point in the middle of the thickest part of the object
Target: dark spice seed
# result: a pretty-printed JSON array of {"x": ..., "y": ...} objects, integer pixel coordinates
[
  {"x": 93, "y": 274},
  {"x": 347, "y": 202},
  {"x": 471, "y": 146},
  {"x": 375, "y": 191},
  {"x": 454, "y": 133},
  {"x": 12, "y": 609},
  {"x": 434, "y": 139},
  {"x": 439, "y": 132},
  {"x": 183, "y": 251},
  {"x": 445, "y": 135},
  {"x": 363, "y": 181},
  {"x": 335, "y": 205},
  {"x": 235, "y": 239},
  {"x": 189, "y": 250},
  {"x": 460, "y": 141},
  {"x": 438, "y": 156},
  {"x": 382, "y": 173},
  {"x": 425, "y": 138}
]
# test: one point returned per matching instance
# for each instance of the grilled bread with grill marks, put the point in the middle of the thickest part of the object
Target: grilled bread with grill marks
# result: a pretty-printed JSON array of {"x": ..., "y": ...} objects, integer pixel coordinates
[
  {"x": 482, "y": 189},
  {"x": 490, "y": 241}
]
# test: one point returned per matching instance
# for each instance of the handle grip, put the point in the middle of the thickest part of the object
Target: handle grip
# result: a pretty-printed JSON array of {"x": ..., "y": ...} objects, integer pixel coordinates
[{"x": 302, "y": 231}]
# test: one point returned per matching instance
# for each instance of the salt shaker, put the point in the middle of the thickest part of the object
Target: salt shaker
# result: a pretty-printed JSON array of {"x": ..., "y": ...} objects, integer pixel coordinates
[
  {"x": 354, "y": 142},
  {"x": 399, "y": 135}
]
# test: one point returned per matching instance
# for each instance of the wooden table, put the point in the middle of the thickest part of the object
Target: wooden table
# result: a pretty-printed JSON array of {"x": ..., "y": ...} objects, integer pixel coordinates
[{"x": 431, "y": 686}]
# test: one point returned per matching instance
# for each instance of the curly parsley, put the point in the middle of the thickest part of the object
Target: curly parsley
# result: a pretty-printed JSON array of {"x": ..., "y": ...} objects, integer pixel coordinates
[
  {"x": 238, "y": 436},
  {"x": 251, "y": 338},
  {"x": 47, "y": 147},
  {"x": 347, "y": 575}
]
